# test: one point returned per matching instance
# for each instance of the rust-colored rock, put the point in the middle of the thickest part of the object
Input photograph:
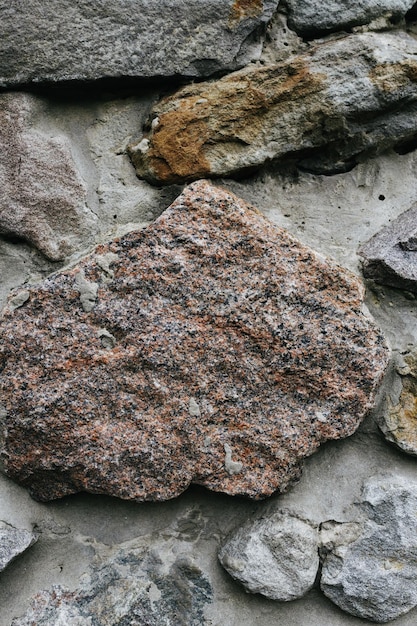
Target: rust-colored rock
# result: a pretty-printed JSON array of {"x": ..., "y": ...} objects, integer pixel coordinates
[
  {"x": 399, "y": 421},
  {"x": 210, "y": 348},
  {"x": 324, "y": 110}
]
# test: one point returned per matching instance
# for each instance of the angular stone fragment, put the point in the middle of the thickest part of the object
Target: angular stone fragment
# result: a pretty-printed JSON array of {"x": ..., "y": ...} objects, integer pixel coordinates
[
  {"x": 311, "y": 18},
  {"x": 390, "y": 257},
  {"x": 88, "y": 40},
  {"x": 135, "y": 586},
  {"x": 399, "y": 421},
  {"x": 373, "y": 573},
  {"x": 347, "y": 97},
  {"x": 13, "y": 541},
  {"x": 276, "y": 555},
  {"x": 211, "y": 347},
  {"x": 42, "y": 196}
]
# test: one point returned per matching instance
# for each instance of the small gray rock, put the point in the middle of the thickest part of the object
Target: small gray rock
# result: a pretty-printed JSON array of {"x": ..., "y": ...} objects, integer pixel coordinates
[
  {"x": 372, "y": 572},
  {"x": 13, "y": 541},
  {"x": 276, "y": 556},
  {"x": 87, "y": 40},
  {"x": 390, "y": 256},
  {"x": 311, "y": 18}
]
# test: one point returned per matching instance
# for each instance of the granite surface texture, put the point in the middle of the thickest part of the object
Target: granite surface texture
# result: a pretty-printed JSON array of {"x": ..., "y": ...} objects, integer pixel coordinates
[{"x": 212, "y": 347}]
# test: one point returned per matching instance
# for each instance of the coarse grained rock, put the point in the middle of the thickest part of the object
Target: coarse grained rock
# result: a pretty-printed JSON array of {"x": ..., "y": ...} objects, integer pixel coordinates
[
  {"x": 312, "y": 19},
  {"x": 389, "y": 257},
  {"x": 275, "y": 555},
  {"x": 13, "y": 541},
  {"x": 374, "y": 575},
  {"x": 58, "y": 41},
  {"x": 211, "y": 347},
  {"x": 136, "y": 584},
  {"x": 398, "y": 421},
  {"x": 323, "y": 109},
  {"x": 42, "y": 194}
]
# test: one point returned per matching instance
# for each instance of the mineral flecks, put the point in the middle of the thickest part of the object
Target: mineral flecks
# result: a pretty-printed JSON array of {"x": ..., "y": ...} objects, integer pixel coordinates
[
  {"x": 210, "y": 348},
  {"x": 275, "y": 555},
  {"x": 322, "y": 109},
  {"x": 399, "y": 420},
  {"x": 390, "y": 257},
  {"x": 13, "y": 541},
  {"x": 370, "y": 571},
  {"x": 134, "y": 585},
  {"x": 42, "y": 195},
  {"x": 88, "y": 40},
  {"x": 311, "y": 18}
]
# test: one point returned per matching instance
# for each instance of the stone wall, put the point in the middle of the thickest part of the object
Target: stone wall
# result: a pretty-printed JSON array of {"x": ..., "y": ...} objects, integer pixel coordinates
[{"x": 242, "y": 338}]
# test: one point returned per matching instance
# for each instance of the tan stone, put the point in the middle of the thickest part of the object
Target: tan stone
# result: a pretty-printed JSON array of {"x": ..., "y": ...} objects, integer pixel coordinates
[
  {"x": 347, "y": 97},
  {"x": 399, "y": 423}
]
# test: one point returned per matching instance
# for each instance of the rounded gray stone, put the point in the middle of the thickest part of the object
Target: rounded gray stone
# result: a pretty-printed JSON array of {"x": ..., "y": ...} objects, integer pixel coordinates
[{"x": 276, "y": 556}]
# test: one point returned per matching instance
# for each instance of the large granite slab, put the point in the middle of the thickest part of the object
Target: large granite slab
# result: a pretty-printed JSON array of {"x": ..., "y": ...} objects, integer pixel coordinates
[{"x": 212, "y": 348}]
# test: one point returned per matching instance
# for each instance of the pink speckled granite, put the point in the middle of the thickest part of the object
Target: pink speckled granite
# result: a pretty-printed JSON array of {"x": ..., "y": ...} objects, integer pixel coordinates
[{"x": 210, "y": 348}]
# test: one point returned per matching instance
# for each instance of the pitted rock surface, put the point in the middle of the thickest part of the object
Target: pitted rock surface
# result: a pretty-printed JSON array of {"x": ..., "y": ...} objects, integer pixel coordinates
[
  {"x": 212, "y": 348},
  {"x": 87, "y": 40},
  {"x": 389, "y": 257},
  {"x": 322, "y": 109}
]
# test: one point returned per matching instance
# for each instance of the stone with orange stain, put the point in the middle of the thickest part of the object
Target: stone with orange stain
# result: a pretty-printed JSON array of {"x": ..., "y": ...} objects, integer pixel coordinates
[
  {"x": 236, "y": 351},
  {"x": 399, "y": 421},
  {"x": 323, "y": 109},
  {"x": 244, "y": 9}
]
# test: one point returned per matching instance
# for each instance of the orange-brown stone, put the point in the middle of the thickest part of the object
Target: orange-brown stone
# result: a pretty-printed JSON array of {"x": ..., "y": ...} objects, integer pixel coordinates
[
  {"x": 212, "y": 348},
  {"x": 323, "y": 109}
]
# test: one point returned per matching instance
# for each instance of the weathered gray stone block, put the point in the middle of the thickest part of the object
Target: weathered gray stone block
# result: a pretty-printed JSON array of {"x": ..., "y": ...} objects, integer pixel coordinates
[
  {"x": 135, "y": 584},
  {"x": 87, "y": 40},
  {"x": 390, "y": 256}
]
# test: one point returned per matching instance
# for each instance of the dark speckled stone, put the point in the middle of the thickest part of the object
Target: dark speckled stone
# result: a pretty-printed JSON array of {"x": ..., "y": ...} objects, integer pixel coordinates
[{"x": 210, "y": 348}]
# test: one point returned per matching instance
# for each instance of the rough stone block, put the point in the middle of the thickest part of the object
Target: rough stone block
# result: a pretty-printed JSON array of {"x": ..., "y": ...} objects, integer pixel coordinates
[{"x": 57, "y": 41}]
